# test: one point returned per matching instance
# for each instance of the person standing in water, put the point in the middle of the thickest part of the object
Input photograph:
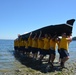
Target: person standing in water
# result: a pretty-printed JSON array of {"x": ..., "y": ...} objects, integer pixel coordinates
[
  {"x": 64, "y": 44},
  {"x": 52, "y": 52},
  {"x": 35, "y": 46},
  {"x": 45, "y": 48}
]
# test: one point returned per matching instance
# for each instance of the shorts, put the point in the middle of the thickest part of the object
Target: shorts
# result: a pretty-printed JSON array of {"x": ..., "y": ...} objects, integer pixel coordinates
[
  {"x": 34, "y": 50},
  {"x": 15, "y": 47},
  {"x": 63, "y": 53},
  {"x": 39, "y": 50},
  {"x": 29, "y": 49},
  {"x": 26, "y": 49},
  {"x": 22, "y": 49},
  {"x": 19, "y": 48},
  {"x": 44, "y": 52},
  {"x": 52, "y": 52},
  {"x": 59, "y": 51}
]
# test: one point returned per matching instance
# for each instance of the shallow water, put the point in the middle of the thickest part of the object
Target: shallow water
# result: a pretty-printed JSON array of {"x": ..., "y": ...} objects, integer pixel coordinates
[
  {"x": 9, "y": 62},
  {"x": 7, "y": 58}
]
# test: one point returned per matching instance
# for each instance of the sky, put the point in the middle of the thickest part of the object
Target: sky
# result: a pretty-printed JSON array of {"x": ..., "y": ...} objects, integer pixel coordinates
[{"x": 21, "y": 16}]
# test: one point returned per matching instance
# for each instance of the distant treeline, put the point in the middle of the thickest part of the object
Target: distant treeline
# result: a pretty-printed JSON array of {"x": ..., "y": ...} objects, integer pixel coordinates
[{"x": 74, "y": 38}]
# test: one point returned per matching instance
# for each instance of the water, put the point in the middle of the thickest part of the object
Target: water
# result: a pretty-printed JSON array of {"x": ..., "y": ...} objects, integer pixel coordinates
[
  {"x": 72, "y": 50},
  {"x": 7, "y": 59},
  {"x": 6, "y": 54}
]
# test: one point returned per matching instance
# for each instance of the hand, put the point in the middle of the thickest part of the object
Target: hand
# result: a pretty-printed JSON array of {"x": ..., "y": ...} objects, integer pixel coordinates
[
  {"x": 40, "y": 32},
  {"x": 31, "y": 33}
]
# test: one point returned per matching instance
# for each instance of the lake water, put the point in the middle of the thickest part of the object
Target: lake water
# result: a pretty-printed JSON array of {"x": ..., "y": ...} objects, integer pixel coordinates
[{"x": 8, "y": 61}]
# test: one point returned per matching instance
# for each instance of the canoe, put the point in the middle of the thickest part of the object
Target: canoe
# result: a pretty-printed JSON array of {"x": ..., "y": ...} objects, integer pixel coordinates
[{"x": 57, "y": 29}]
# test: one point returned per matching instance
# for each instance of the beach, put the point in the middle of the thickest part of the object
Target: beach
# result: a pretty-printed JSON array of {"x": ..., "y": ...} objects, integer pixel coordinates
[
  {"x": 32, "y": 67},
  {"x": 12, "y": 63}
]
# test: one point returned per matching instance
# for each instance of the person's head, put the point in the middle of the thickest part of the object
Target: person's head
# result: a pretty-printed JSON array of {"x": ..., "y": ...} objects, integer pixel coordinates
[
  {"x": 42, "y": 37},
  {"x": 26, "y": 39},
  {"x": 49, "y": 36},
  {"x": 64, "y": 35},
  {"x": 46, "y": 36},
  {"x": 58, "y": 39}
]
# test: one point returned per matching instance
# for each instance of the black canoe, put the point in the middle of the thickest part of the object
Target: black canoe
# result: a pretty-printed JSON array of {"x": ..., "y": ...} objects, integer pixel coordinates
[{"x": 53, "y": 29}]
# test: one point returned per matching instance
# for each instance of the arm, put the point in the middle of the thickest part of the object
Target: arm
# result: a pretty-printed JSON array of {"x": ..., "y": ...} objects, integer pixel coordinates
[
  {"x": 30, "y": 35},
  {"x": 40, "y": 35},
  {"x": 69, "y": 39},
  {"x": 35, "y": 36}
]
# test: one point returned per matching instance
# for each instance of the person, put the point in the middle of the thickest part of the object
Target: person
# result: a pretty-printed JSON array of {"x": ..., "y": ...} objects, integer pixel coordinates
[
  {"x": 46, "y": 46},
  {"x": 15, "y": 44},
  {"x": 21, "y": 44},
  {"x": 35, "y": 46},
  {"x": 23, "y": 47},
  {"x": 30, "y": 44},
  {"x": 64, "y": 44},
  {"x": 26, "y": 47},
  {"x": 53, "y": 43},
  {"x": 40, "y": 44},
  {"x": 58, "y": 44}
]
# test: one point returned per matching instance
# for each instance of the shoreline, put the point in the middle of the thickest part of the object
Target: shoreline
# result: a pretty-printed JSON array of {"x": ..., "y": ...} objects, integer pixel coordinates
[{"x": 28, "y": 66}]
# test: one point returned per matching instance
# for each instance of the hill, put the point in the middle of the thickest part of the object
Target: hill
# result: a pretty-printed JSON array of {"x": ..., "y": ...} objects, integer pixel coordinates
[{"x": 74, "y": 38}]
